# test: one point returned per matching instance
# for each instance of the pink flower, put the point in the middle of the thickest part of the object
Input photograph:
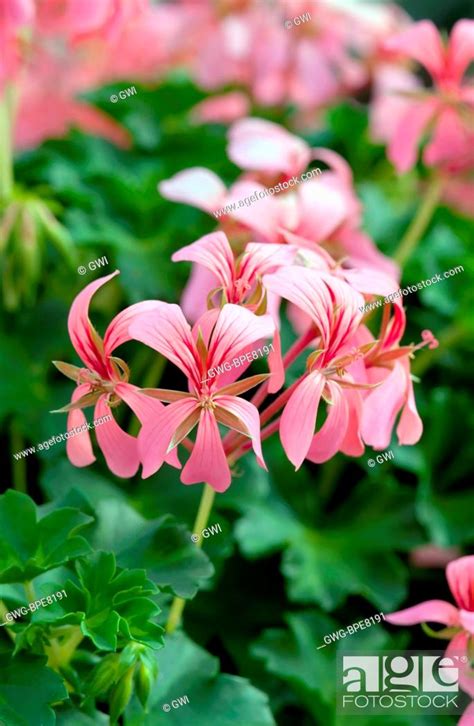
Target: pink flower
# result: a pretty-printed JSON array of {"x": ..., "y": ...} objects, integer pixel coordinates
[
  {"x": 14, "y": 16},
  {"x": 458, "y": 620},
  {"x": 224, "y": 109},
  {"x": 206, "y": 356},
  {"x": 444, "y": 110},
  {"x": 333, "y": 308},
  {"x": 104, "y": 384}
]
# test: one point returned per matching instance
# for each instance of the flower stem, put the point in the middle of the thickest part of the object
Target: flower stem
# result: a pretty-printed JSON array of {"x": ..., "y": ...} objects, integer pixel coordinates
[
  {"x": 19, "y": 466},
  {"x": 202, "y": 516},
  {"x": 421, "y": 220},
  {"x": 6, "y": 143}
]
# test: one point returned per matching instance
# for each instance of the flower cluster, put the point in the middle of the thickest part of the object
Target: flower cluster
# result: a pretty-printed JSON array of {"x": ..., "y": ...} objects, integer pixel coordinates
[{"x": 281, "y": 249}]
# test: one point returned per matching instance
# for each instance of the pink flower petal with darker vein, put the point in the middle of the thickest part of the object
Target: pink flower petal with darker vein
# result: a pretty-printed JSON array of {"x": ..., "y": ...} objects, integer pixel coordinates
[
  {"x": 248, "y": 414},
  {"x": 118, "y": 329},
  {"x": 147, "y": 410},
  {"x": 236, "y": 328},
  {"x": 298, "y": 420},
  {"x": 460, "y": 576},
  {"x": 79, "y": 327},
  {"x": 207, "y": 462},
  {"x": 214, "y": 252},
  {"x": 79, "y": 447},
  {"x": 381, "y": 407},
  {"x": 119, "y": 448},
  {"x": 431, "y": 611},
  {"x": 155, "y": 436},
  {"x": 327, "y": 441},
  {"x": 461, "y": 48},
  {"x": 167, "y": 331}
]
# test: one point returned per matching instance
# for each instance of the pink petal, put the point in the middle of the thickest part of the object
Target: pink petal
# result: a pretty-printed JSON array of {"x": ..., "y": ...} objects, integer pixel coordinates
[
  {"x": 259, "y": 259},
  {"x": 431, "y": 611},
  {"x": 79, "y": 447},
  {"x": 410, "y": 426},
  {"x": 146, "y": 409},
  {"x": 79, "y": 327},
  {"x": 263, "y": 216},
  {"x": 422, "y": 42},
  {"x": 450, "y": 140},
  {"x": 275, "y": 364},
  {"x": 460, "y": 48},
  {"x": 155, "y": 436},
  {"x": 459, "y": 646},
  {"x": 236, "y": 328},
  {"x": 248, "y": 414},
  {"x": 467, "y": 719},
  {"x": 460, "y": 576},
  {"x": 167, "y": 331},
  {"x": 352, "y": 444},
  {"x": 327, "y": 441},
  {"x": 260, "y": 145},
  {"x": 207, "y": 462},
  {"x": 194, "y": 297},
  {"x": 466, "y": 619},
  {"x": 403, "y": 147},
  {"x": 224, "y": 109},
  {"x": 118, "y": 329},
  {"x": 214, "y": 252},
  {"x": 381, "y": 407},
  {"x": 119, "y": 448},
  {"x": 197, "y": 187},
  {"x": 298, "y": 419},
  {"x": 322, "y": 210}
]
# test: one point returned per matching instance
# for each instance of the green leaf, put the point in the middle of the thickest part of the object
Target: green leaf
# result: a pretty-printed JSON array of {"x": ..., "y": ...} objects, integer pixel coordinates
[
  {"x": 187, "y": 670},
  {"x": 29, "y": 544},
  {"x": 351, "y": 553},
  {"x": 27, "y": 690}
]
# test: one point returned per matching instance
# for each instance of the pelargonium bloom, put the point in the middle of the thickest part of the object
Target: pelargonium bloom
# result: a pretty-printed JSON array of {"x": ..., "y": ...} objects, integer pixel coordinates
[
  {"x": 444, "y": 111},
  {"x": 333, "y": 309},
  {"x": 458, "y": 619},
  {"x": 104, "y": 384},
  {"x": 217, "y": 338}
]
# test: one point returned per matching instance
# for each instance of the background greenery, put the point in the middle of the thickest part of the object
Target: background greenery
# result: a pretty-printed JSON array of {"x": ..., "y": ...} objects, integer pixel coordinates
[{"x": 301, "y": 554}]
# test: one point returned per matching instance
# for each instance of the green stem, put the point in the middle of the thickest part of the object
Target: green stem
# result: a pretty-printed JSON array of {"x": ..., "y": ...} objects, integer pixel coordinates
[
  {"x": 6, "y": 144},
  {"x": 202, "y": 516},
  {"x": 420, "y": 222},
  {"x": 30, "y": 591},
  {"x": 19, "y": 466},
  {"x": 3, "y": 612}
]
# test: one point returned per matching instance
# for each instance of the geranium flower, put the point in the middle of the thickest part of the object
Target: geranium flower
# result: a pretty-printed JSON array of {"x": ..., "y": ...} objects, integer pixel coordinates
[
  {"x": 103, "y": 383},
  {"x": 205, "y": 355},
  {"x": 458, "y": 619},
  {"x": 333, "y": 309},
  {"x": 444, "y": 111}
]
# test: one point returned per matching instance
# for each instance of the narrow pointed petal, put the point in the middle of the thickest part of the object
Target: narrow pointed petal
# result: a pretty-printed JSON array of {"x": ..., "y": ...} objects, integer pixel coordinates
[
  {"x": 248, "y": 414},
  {"x": 207, "y": 462},
  {"x": 119, "y": 448},
  {"x": 239, "y": 387},
  {"x": 422, "y": 42},
  {"x": 260, "y": 259},
  {"x": 298, "y": 420},
  {"x": 167, "y": 331},
  {"x": 275, "y": 363},
  {"x": 80, "y": 327},
  {"x": 327, "y": 441},
  {"x": 403, "y": 146},
  {"x": 198, "y": 187},
  {"x": 118, "y": 330},
  {"x": 410, "y": 426},
  {"x": 79, "y": 447},
  {"x": 236, "y": 328},
  {"x": 460, "y": 576},
  {"x": 461, "y": 48},
  {"x": 214, "y": 252},
  {"x": 381, "y": 408},
  {"x": 431, "y": 611},
  {"x": 146, "y": 409},
  {"x": 156, "y": 435}
]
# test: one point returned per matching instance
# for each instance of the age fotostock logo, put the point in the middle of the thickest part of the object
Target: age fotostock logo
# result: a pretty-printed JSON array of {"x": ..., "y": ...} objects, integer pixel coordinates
[{"x": 400, "y": 682}]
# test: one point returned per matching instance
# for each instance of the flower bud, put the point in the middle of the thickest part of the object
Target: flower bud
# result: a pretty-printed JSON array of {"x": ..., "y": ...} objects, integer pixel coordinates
[{"x": 121, "y": 695}]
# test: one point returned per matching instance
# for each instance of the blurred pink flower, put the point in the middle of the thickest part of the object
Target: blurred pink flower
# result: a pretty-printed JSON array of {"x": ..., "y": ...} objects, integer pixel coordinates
[
  {"x": 221, "y": 109},
  {"x": 216, "y": 339},
  {"x": 104, "y": 383},
  {"x": 15, "y": 16},
  {"x": 431, "y": 555},
  {"x": 443, "y": 111}
]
